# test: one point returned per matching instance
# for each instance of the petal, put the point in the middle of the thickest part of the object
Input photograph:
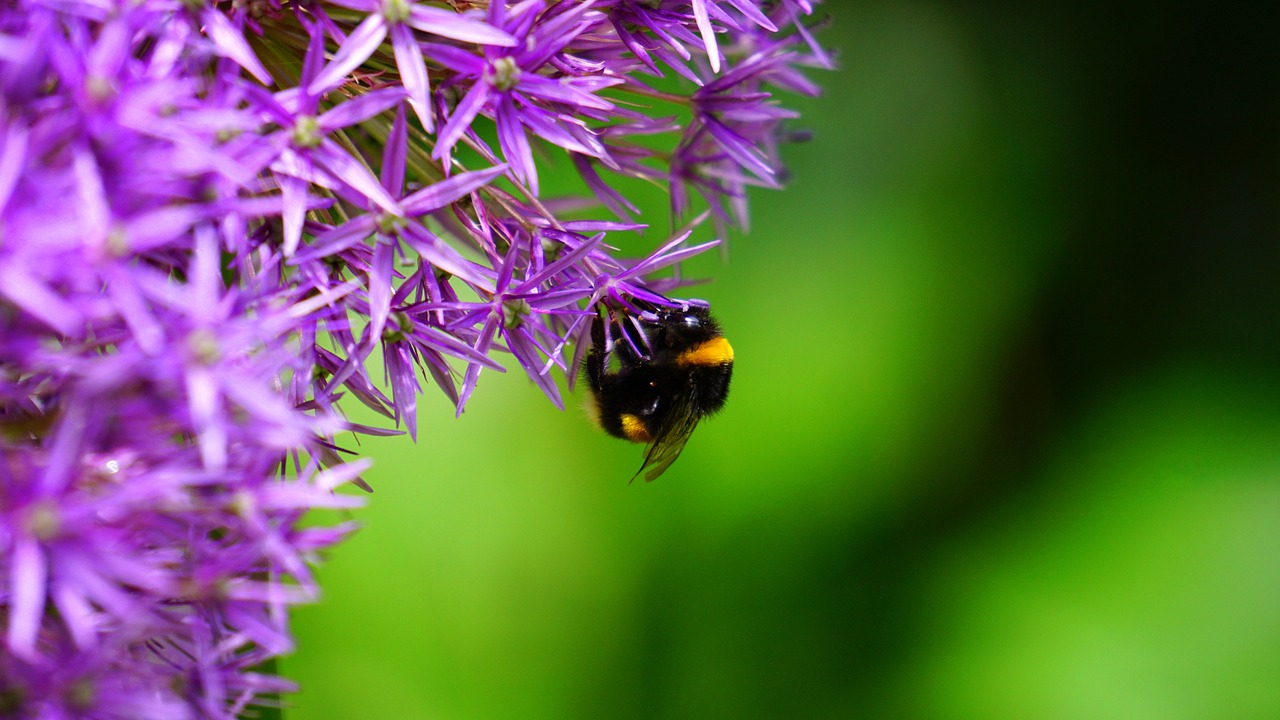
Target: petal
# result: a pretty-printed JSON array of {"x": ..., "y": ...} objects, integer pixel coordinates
[
  {"x": 413, "y": 73},
  {"x": 565, "y": 132},
  {"x": 560, "y": 265},
  {"x": 230, "y": 42},
  {"x": 438, "y": 339},
  {"x": 361, "y": 5},
  {"x": 441, "y": 373},
  {"x": 404, "y": 385},
  {"x": 740, "y": 149},
  {"x": 360, "y": 108},
  {"x": 135, "y": 311},
  {"x": 359, "y": 45},
  {"x": 380, "y": 275},
  {"x": 77, "y": 614},
  {"x": 205, "y": 405},
  {"x": 708, "y": 34},
  {"x": 473, "y": 370},
  {"x": 667, "y": 255},
  {"x": 294, "y": 195},
  {"x": 28, "y": 576},
  {"x": 337, "y": 239},
  {"x": 394, "y": 155},
  {"x": 332, "y": 478},
  {"x": 438, "y": 195},
  {"x": 611, "y": 198},
  {"x": 25, "y": 291},
  {"x": 442, "y": 255},
  {"x": 526, "y": 352},
  {"x": 12, "y": 159},
  {"x": 515, "y": 146},
  {"x": 461, "y": 118},
  {"x": 563, "y": 91},
  {"x": 445, "y": 23},
  {"x": 354, "y": 174},
  {"x": 155, "y": 228},
  {"x": 456, "y": 59}
]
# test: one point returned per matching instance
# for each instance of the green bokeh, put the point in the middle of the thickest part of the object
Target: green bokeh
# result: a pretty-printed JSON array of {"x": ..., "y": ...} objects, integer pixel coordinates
[{"x": 1002, "y": 443}]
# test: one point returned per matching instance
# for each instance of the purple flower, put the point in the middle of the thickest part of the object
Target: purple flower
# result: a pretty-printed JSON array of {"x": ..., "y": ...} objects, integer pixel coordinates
[
  {"x": 212, "y": 215},
  {"x": 400, "y": 18},
  {"x": 524, "y": 313},
  {"x": 506, "y": 83}
]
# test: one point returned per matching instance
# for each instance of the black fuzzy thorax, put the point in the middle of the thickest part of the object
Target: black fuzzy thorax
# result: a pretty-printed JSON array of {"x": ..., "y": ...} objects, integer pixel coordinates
[{"x": 654, "y": 385}]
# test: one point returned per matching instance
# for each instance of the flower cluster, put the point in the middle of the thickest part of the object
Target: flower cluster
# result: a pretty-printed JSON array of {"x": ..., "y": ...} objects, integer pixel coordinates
[{"x": 216, "y": 216}]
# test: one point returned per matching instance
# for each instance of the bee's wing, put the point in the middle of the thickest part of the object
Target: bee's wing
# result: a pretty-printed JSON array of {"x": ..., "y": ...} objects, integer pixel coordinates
[{"x": 668, "y": 442}]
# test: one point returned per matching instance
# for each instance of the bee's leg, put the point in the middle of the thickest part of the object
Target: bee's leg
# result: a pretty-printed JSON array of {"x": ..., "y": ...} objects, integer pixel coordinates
[
  {"x": 633, "y": 345},
  {"x": 597, "y": 354}
]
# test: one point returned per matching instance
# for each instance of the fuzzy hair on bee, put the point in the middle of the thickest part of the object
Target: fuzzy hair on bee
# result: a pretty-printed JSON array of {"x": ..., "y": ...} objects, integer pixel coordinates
[{"x": 655, "y": 374}]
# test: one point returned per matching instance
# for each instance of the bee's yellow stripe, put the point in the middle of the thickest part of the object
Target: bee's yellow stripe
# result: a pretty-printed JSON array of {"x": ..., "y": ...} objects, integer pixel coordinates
[
  {"x": 716, "y": 351},
  {"x": 635, "y": 429}
]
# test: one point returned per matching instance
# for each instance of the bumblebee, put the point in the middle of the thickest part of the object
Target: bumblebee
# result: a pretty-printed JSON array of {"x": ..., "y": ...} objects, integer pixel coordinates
[{"x": 655, "y": 374}]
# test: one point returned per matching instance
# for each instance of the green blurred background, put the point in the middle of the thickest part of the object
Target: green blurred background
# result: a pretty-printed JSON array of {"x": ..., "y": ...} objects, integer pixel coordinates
[{"x": 1003, "y": 441}]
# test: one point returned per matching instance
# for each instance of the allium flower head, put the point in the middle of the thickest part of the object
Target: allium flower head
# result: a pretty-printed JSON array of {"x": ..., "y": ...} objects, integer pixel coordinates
[{"x": 214, "y": 215}]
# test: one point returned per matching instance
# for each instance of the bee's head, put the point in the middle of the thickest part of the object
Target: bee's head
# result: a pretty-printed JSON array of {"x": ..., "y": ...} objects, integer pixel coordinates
[{"x": 682, "y": 327}]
